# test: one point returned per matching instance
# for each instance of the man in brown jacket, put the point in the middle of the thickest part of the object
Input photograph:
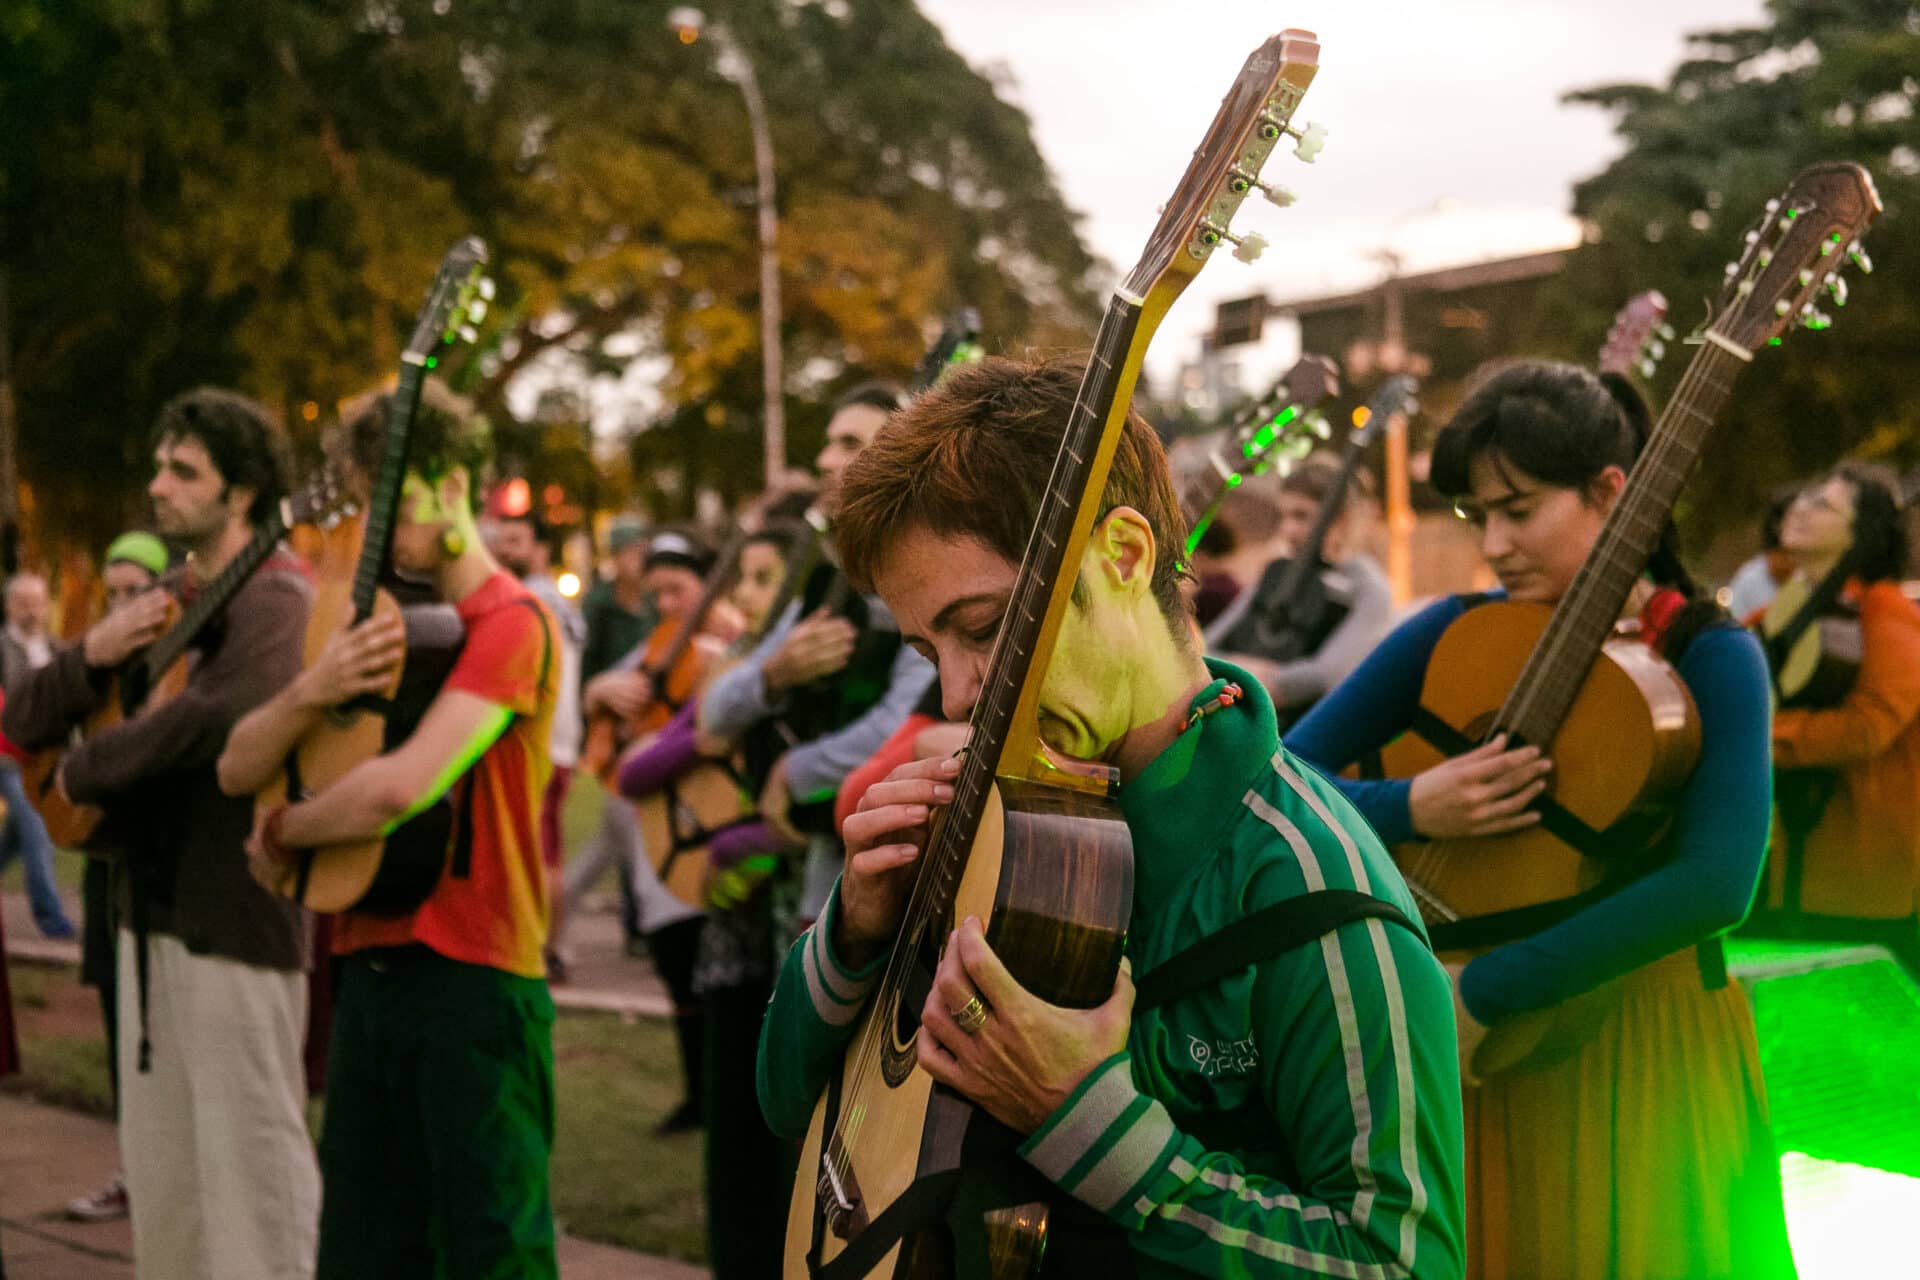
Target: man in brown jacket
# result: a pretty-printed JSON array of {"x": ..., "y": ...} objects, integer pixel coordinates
[{"x": 220, "y": 1172}]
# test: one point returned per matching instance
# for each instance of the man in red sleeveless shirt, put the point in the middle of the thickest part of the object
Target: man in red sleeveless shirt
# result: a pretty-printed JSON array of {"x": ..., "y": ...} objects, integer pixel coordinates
[{"x": 440, "y": 1083}]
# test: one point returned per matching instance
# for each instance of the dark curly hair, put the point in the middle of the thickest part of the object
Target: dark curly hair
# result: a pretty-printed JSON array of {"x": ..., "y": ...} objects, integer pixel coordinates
[{"x": 240, "y": 436}]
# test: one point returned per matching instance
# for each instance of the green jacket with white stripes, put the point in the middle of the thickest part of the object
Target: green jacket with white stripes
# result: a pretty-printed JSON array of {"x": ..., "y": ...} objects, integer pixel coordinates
[{"x": 1301, "y": 1118}]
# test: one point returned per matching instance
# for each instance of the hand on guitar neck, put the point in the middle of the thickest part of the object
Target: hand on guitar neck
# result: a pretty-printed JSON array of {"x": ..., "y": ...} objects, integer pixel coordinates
[
  {"x": 355, "y": 661},
  {"x": 127, "y": 630}
]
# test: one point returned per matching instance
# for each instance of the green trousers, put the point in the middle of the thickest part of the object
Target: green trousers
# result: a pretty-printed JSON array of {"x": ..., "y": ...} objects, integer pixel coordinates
[{"x": 439, "y": 1123}]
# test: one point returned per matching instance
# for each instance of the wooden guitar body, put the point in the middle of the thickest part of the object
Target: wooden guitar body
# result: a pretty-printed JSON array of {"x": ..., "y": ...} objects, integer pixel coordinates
[
  {"x": 342, "y": 874},
  {"x": 1815, "y": 658},
  {"x": 609, "y": 735},
  {"x": 70, "y": 824},
  {"x": 1628, "y": 743},
  {"x": 678, "y": 823},
  {"x": 1051, "y": 874}
]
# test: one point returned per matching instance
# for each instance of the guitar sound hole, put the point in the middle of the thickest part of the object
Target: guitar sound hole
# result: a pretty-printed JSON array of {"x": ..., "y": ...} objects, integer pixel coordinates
[{"x": 898, "y": 1059}]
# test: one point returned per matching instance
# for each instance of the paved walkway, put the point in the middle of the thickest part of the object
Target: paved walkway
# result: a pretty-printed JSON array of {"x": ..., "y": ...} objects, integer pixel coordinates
[{"x": 50, "y": 1155}]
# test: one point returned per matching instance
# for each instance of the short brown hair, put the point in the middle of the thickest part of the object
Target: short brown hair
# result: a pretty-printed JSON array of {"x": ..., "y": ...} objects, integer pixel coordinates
[{"x": 972, "y": 456}]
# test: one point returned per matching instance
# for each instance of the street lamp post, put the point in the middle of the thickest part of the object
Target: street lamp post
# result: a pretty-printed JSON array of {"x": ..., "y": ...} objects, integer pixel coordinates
[{"x": 689, "y": 24}]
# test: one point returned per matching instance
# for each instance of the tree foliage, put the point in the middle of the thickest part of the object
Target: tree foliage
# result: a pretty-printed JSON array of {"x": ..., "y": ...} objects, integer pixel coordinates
[
  {"x": 255, "y": 192},
  {"x": 1824, "y": 80}
]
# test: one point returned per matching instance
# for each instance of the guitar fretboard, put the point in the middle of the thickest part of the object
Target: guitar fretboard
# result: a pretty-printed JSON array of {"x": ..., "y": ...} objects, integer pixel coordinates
[
  {"x": 1078, "y": 469},
  {"x": 1586, "y": 614}
]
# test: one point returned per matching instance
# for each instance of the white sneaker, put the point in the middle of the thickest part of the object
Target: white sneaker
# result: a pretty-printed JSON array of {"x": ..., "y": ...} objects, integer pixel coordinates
[{"x": 107, "y": 1204}]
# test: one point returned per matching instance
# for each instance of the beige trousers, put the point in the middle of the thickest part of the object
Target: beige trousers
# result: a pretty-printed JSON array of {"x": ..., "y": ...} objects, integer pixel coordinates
[{"x": 221, "y": 1175}]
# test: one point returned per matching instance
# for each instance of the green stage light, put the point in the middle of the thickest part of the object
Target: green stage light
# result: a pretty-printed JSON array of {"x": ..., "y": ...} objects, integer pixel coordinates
[
  {"x": 1848, "y": 1220},
  {"x": 1839, "y": 1032}
]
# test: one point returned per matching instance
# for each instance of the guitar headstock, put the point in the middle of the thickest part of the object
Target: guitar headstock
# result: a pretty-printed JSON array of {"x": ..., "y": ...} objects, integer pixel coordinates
[
  {"x": 958, "y": 343},
  {"x": 1395, "y": 395},
  {"x": 1256, "y": 113},
  {"x": 324, "y": 500},
  {"x": 1796, "y": 250},
  {"x": 1638, "y": 337},
  {"x": 1283, "y": 426},
  {"x": 456, "y": 302}
]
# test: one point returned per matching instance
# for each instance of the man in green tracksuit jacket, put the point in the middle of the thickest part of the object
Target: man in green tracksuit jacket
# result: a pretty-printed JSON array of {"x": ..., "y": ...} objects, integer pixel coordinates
[{"x": 1299, "y": 1118}]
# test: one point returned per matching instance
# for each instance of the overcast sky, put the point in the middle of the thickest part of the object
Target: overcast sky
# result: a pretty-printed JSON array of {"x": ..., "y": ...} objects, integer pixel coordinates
[{"x": 1422, "y": 99}]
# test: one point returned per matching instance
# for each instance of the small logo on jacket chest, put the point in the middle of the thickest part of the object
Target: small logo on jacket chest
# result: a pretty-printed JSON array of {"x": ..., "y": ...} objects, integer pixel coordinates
[{"x": 1223, "y": 1057}]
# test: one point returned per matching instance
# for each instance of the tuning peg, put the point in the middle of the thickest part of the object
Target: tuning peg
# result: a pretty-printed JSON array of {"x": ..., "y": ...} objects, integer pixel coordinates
[
  {"x": 1240, "y": 182},
  {"x": 1249, "y": 247},
  {"x": 468, "y": 333},
  {"x": 486, "y": 288},
  {"x": 1814, "y": 318},
  {"x": 1838, "y": 288},
  {"x": 1733, "y": 269},
  {"x": 1656, "y": 349},
  {"x": 1312, "y": 140},
  {"x": 1860, "y": 258},
  {"x": 1665, "y": 332},
  {"x": 1647, "y": 366},
  {"x": 477, "y": 310}
]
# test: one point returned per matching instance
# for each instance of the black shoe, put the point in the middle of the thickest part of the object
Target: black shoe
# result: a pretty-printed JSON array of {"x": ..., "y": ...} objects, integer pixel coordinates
[{"x": 684, "y": 1118}]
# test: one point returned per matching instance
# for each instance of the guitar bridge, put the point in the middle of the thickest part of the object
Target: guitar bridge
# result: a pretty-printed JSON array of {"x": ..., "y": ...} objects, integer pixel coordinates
[{"x": 838, "y": 1195}]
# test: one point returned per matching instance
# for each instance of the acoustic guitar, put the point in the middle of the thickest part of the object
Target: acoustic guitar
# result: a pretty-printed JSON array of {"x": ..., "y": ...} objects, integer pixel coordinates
[
  {"x": 1293, "y": 611},
  {"x": 159, "y": 673},
  {"x": 361, "y": 876},
  {"x": 1034, "y": 847},
  {"x": 1281, "y": 428},
  {"x": 1615, "y": 718}
]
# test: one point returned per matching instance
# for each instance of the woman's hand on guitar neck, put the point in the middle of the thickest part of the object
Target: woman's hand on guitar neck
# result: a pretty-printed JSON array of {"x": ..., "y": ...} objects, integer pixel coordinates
[
  {"x": 355, "y": 660},
  {"x": 884, "y": 837},
  {"x": 1482, "y": 793}
]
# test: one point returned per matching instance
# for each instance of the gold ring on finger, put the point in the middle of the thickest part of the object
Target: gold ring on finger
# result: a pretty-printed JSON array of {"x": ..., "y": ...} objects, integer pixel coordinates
[{"x": 971, "y": 1016}]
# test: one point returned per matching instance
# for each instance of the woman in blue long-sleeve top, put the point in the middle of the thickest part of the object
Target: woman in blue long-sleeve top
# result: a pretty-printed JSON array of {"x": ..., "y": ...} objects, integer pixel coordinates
[{"x": 1645, "y": 1153}]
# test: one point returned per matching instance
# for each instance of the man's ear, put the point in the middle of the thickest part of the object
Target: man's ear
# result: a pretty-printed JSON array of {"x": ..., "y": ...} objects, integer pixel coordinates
[
  {"x": 452, "y": 492},
  {"x": 240, "y": 499},
  {"x": 1124, "y": 550}
]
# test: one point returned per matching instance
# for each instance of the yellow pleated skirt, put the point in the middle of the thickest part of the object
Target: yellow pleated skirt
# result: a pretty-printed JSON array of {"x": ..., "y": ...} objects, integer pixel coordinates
[{"x": 1644, "y": 1156}]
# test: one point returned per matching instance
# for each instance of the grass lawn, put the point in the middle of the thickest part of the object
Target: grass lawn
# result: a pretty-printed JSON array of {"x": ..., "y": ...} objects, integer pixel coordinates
[{"x": 613, "y": 1180}]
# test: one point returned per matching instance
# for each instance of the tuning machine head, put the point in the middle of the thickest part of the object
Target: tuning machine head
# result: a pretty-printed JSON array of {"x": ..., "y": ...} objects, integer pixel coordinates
[
  {"x": 1309, "y": 140},
  {"x": 1247, "y": 248}
]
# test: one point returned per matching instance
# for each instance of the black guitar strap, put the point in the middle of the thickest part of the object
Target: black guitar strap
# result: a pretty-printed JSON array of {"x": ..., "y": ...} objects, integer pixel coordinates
[{"x": 1269, "y": 932}]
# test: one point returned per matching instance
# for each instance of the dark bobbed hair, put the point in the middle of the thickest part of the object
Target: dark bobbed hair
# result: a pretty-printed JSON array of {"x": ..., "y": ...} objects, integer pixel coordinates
[
  {"x": 240, "y": 436},
  {"x": 1879, "y": 552},
  {"x": 1560, "y": 424}
]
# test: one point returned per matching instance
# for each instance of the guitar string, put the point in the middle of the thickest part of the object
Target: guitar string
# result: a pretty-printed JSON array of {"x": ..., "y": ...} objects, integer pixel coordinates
[{"x": 1545, "y": 674}]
